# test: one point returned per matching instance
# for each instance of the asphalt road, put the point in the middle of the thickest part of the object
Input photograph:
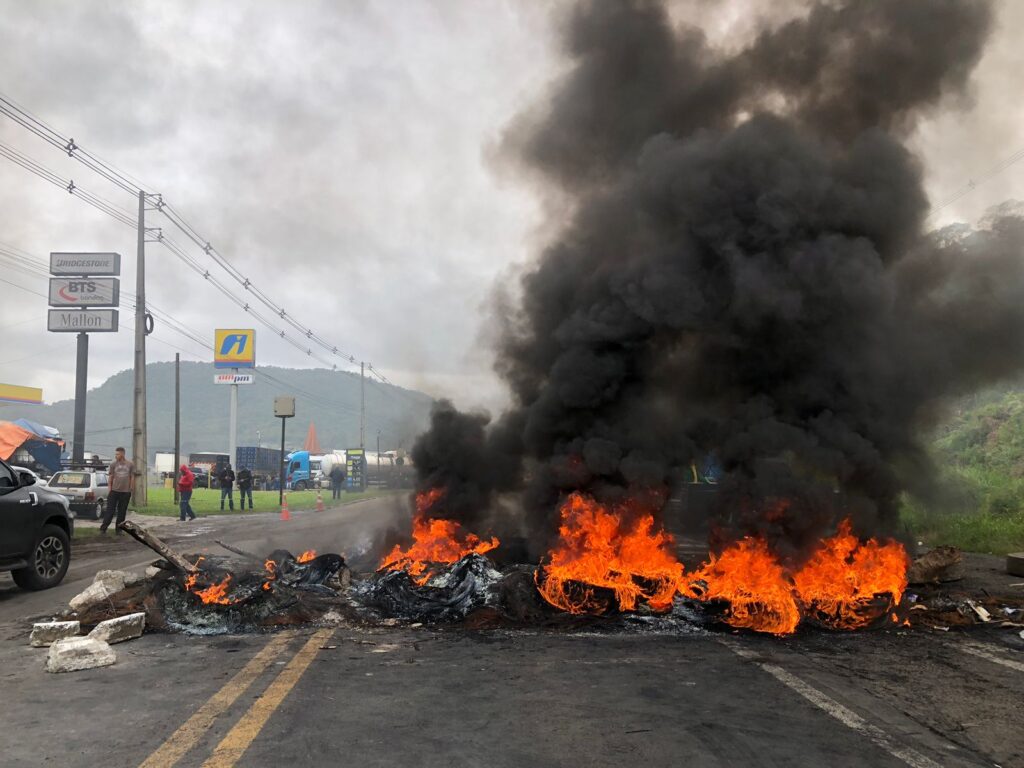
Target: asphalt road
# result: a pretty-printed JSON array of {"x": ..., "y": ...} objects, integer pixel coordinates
[{"x": 428, "y": 697}]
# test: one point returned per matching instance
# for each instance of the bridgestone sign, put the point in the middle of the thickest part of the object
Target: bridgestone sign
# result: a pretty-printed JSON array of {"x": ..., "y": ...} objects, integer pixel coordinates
[
  {"x": 78, "y": 320},
  {"x": 75, "y": 264}
]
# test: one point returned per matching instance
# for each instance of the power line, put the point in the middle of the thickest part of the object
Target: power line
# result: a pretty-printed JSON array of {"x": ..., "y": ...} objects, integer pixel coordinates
[
  {"x": 973, "y": 184},
  {"x": 35, "y": 125}
]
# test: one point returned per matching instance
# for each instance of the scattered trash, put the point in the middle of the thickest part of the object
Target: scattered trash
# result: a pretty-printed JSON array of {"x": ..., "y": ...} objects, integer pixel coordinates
[{"x": 982, "y": 614}]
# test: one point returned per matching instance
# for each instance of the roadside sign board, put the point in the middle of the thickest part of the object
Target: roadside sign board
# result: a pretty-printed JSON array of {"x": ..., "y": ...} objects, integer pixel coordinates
[
  {"x": 15, "y": 393},
  {"x": 75, "y": 264},
  {"x": 84, "y": 291},
  {"x": 234, "y": 348},
  {"x": 234, "y": 378},
  {"x": 78, "y": 320},
  {"x": 284, "y": 406}
]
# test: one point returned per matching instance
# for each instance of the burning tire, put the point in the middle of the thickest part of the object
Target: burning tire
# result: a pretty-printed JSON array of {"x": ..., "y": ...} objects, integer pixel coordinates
[{"x": 48, "y": 562}]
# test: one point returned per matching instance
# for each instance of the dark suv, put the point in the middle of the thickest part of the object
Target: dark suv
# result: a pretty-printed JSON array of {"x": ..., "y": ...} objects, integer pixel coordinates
[{"x": 35, "y": 531}]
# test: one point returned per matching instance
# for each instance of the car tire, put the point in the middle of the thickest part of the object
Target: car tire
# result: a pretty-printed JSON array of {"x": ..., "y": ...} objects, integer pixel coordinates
[
  {"x": 300, "y": 486},
  {"x": 48, "y": 561},
  {"x": 98, "y": 512}
]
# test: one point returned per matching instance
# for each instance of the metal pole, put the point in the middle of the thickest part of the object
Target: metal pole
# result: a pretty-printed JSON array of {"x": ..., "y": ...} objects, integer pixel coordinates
[
  {"x": 177, "y": 421},
  {"x": 378, "y": 457},
  {"x": 81, "y": 385},
  {"x": 139, "y": 448},
  {"x": 362, "y": 405},
  {"x": 233, "y": 428},
  {"x": 280, "y": 493}
]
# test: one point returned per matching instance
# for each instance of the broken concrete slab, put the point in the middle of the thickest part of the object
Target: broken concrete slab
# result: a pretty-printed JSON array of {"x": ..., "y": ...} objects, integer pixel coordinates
[
  {"x": 116, "y": 580},
  {"x": 152, "y": 571},
  {"x": 45, "y": 633},
  {"x": 104, "y": 584},
  {"x": 1015, "y": 564},
  {"x": 75, "y": 653},
  {"x": 120, "y": 629}
]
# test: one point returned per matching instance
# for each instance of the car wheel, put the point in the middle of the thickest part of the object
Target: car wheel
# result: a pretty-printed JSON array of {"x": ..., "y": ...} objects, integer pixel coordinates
[
  {"x": 300, "y": 486},
  {"x": 48, "y": 562},
  {"x": 98, "y": 512}
]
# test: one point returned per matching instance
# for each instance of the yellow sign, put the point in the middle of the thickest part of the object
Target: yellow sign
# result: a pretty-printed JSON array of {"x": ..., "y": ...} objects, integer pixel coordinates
[
  {"x": 234, "y": 348},
  {"x": 12, "y": 393}
]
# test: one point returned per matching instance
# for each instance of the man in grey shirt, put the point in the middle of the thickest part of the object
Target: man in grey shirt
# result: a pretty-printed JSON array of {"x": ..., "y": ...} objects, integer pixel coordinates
[{"x": 121, "y": 476}]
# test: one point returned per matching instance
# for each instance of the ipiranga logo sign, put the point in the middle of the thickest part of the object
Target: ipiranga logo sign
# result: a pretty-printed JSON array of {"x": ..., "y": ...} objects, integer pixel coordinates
[{"x": 234, "y": 348}]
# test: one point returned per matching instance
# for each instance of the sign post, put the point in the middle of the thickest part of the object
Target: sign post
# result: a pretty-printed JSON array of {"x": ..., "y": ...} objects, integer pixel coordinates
[
  {"x": 234, "y": 348},
  {"x": 83, "y": 280},
  {"x": 284, "y": 409}
]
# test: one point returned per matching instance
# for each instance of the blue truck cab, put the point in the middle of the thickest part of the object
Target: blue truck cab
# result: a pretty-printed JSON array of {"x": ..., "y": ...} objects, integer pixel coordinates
[{"x": 302, "y": 470}]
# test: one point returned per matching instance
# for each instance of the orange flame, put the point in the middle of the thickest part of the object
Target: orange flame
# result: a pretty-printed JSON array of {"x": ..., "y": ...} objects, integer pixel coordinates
[
  {"x": 611, "y": 549},
  {"x": 757, "y": 589},
  {"x": 306, "y": 556},
  {"x": 215, "y": 594},
  {"x": 434, "y": 541},
  {"x": 848, "y": 584}
]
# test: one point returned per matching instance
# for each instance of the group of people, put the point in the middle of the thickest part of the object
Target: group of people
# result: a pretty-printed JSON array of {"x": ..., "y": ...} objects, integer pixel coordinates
[
  {"x": 121, "y": 477},
  {"x": 226, "y": 478}
]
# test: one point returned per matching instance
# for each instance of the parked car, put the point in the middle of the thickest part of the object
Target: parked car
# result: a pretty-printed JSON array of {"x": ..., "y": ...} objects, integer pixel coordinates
[
  {"x": 85, "y": 489},
  {"x": 36, "y": 526},
  {"x": 202, "y": 478}
]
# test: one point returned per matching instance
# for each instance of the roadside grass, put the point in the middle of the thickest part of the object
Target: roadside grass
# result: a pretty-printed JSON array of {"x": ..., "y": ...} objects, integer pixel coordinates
[
  {"x": 984, "y": 530},
  {"x": 85, "y": 532},
  {"x": 206, "y": 501}
]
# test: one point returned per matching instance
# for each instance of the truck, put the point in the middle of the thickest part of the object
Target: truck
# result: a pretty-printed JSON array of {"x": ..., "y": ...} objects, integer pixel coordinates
[
  {"x": 163, "y": 464},
  {"x": 207, "y": 465},
  {"x": 303, "y": 470},
  {"x": 264, "y": 463}
]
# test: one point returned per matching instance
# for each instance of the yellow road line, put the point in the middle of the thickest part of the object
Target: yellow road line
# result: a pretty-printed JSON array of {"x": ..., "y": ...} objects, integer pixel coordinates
[
  {"x": 233, "y": 746},
  {"x": 188, "y": 735}
]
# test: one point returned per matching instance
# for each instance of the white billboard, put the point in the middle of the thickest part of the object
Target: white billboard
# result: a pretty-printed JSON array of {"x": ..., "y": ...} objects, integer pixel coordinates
[
  {"x": 78, "y": 320},
  {"x": 234, "y": 378},
  {"x": 74, "y": 264},
  {"x": 84, "y": 291}
]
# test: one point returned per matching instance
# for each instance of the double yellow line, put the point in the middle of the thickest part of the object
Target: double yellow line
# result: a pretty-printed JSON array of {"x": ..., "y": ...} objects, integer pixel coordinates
[{"x": 238, "y": 739}]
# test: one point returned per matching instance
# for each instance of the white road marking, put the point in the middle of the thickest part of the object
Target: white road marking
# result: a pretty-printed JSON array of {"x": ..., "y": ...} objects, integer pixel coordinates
[
  {"x": 834, "y": 709},
  {"x": 983, "y": 652}
]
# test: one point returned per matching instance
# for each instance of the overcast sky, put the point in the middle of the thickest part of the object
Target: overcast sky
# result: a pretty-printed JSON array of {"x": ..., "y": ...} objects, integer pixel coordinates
[{"x": 344, "y": 156}]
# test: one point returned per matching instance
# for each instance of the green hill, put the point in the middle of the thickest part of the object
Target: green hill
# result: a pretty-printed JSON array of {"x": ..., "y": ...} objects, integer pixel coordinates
[
  {"x": 330, "y": 399},
  {"x": 980, "y": 452}
]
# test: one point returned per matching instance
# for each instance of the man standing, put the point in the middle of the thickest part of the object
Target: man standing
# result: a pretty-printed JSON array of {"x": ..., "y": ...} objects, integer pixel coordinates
[
  {"x": 245, "y": 486},
  {"x": 227, "y": 485},
  {"x": 186, "y": 481},
  {"x": 337, "y": 476},
  {"x": 121, "y": 477}
]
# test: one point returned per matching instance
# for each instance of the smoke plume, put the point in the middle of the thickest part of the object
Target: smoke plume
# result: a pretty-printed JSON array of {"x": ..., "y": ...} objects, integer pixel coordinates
[{"x": 746, "y": 275}]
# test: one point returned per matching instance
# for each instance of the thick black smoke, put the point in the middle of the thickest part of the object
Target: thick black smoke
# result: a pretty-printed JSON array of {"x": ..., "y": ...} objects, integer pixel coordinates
[{"x": 747, "y": 273}]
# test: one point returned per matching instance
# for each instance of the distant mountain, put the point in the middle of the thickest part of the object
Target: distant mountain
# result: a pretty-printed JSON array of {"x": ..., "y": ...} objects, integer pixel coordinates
[{"x": 330, "y": 399}]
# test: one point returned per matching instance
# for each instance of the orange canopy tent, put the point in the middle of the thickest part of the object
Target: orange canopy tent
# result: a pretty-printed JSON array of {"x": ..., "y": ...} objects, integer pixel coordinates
[{"x": 312, "y": 444}]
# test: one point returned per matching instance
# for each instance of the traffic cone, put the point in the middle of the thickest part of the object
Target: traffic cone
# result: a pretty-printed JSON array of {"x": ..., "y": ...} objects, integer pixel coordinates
[
  {"x": 285, "y": 514},
  {"x": 319, "y": 500}
]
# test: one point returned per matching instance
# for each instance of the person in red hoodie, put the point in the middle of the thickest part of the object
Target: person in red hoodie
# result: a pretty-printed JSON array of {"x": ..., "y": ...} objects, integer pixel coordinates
[{"x": 185, "y": 482}]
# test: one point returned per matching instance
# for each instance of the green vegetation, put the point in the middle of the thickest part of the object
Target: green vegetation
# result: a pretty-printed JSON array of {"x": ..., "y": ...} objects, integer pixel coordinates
[
  {"x": 980, "y": 453},
  {"x": 207, "y": 501}
]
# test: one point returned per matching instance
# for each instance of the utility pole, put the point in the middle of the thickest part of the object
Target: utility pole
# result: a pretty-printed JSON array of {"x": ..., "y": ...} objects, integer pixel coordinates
[
  {"x": 233, "y": 426},
  {"x": 362, "y": 405},
  {"x": 378, "y": 457},
  {"x": 177, "y": 421},
  {"x": 139, "y": 449},
  {"x": 81, "y": 386}
]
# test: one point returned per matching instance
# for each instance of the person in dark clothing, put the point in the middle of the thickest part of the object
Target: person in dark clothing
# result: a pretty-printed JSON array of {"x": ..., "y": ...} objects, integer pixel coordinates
[
  {"x": 337, "y": 476},
  {"x": 245, "y": 486},
  {"x": 186, "y": 481},
  {"x": 227, "y": 485}
]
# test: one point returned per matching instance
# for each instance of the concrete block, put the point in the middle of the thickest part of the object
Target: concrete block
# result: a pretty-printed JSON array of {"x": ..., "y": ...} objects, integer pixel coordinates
[
  {"x": 46, "y": 633},
  {"x": 1015, "y": 564},
  {"x": 104, "y": 584},
  {"x": 152, "y": 571},
  {"x": 75, "y": 653},
  {"x": 120, "y": 629}
]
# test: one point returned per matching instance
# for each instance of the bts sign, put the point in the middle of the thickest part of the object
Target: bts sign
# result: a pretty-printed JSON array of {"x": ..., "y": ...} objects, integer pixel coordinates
[
  {"x": 234, "y": 348},
  {"x": 84, "y": 292}
]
